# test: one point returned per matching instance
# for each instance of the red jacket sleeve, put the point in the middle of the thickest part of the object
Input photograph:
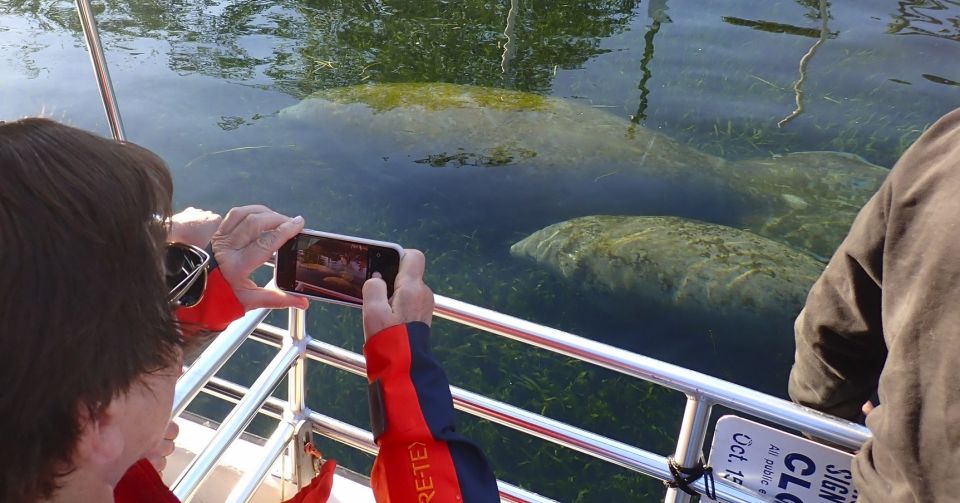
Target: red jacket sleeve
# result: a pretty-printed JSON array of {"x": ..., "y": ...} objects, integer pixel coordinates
[
  {"x": 422, "y": 457},
  {"x": 217, "y": 309}
]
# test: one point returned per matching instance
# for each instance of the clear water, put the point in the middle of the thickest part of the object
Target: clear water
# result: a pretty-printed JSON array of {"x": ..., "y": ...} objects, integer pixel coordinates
[{"x": 201, "y": 83}]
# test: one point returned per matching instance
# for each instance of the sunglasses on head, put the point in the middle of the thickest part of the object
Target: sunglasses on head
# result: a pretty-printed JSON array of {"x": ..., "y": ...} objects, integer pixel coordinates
[{"x": 185, "y": 267}]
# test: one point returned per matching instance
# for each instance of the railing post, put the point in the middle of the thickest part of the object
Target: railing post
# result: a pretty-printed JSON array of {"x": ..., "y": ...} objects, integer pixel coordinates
[
  {"x": 297, "y": 411},
  {"x": 201, "y": 466},
  {"x": 693, "y": 430},
  {"x": 99, "y": 62}
]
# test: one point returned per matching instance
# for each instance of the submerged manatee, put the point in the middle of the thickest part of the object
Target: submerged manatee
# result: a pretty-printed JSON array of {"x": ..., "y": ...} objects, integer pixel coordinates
[
  {"x": 677, "y": 261},
  {"x": 807, "y": 199},
  {"x": 471, "y": 125}
]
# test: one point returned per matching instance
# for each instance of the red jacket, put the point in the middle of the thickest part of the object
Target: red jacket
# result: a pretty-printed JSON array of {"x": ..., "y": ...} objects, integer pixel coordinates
[{"x": 422, "y": 457}]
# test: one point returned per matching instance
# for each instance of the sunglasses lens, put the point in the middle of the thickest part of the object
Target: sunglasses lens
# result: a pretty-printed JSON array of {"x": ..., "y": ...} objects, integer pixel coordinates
[
  {"x": 194, "y": 293},
  {"x": 186, "y": 274}
]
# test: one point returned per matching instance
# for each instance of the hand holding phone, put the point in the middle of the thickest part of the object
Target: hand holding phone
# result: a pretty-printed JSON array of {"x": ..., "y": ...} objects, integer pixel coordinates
[
  {"x": 412, "y": 298},
  {"x": 246, "y": 238},
  {"x": 333, "y": 267}
]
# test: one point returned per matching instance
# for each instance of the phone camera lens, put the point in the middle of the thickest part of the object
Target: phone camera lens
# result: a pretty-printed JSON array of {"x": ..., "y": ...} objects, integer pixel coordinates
[{"x": 378, "y": 254}]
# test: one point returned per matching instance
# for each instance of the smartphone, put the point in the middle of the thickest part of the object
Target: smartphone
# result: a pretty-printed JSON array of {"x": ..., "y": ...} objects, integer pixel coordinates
[{"x": 332, "y": 267}]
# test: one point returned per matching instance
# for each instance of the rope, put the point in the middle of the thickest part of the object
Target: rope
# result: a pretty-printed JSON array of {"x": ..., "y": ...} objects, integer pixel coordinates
[
  {"x": 683, "y": 477},
  {"x": 315, "y": 453}
]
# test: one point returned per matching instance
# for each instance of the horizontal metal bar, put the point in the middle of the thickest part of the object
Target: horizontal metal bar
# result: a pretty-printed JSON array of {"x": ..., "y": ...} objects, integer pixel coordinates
[
  {"x": 251, "y": 480},
  {"x": 345, "y": 433},
  {"x": 363, "y": 439},
  {"x": 233, "y": 393},
  {"x": 580, "y": 440},
  {"x": 548, "y": 429},
  {"x": 671, "y": 376},
  {"x": 512, "y": 493},
  {"x": 200, "y": 467},
  {"x": 214, "y": 357}
]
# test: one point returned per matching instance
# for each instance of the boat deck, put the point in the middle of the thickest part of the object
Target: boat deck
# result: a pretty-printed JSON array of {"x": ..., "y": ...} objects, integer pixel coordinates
[{"x": 243, "y": 455}]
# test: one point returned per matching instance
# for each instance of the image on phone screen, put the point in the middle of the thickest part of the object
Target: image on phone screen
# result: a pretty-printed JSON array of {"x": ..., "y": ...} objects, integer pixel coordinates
[{"x": 333, "y": 269}]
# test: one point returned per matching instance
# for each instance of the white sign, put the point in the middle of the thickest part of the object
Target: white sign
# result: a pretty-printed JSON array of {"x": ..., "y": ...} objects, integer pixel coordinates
[{"x": 785, "y": 467}]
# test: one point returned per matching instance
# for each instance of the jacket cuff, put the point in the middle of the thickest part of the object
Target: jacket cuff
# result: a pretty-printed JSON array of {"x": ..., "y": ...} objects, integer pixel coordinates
[
  {"x": 218, "y": 308},
  {"x": 394, "y": 401}
]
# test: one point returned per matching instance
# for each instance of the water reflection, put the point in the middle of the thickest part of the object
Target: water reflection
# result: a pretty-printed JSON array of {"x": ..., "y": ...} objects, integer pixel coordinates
[
  {"x": 816, "y": 10},
  {"x": 824, "y": 15},
  {"x": 772, "y": 27},
  {"x": 935, "y": 18},
  {"x": 657, "y": 12},
  {"x": 436, "y": 41},
  {"x": 509, "y": 46}
]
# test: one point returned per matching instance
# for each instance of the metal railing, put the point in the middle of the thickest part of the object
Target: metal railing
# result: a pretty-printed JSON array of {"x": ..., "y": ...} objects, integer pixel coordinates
[
  {"x": 296, "y": 420},
  {"x": 702, "y": 393}
]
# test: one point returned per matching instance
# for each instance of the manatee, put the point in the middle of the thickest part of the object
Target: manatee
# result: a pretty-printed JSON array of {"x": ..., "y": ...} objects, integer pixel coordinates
[
  {"x": 495, "y": 127},
  {"x": 678, "y": 262},
  {"x": 807, "y": 200}
]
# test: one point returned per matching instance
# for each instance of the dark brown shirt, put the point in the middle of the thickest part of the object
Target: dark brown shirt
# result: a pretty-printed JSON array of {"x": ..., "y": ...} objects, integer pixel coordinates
[{"x": 885, "y": 315}]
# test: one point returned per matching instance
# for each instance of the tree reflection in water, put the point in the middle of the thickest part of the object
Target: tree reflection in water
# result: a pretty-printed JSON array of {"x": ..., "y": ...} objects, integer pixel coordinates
[{"x": 934, "y": 18}]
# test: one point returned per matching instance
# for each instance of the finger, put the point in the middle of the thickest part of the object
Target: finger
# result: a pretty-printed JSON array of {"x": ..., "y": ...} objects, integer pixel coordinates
[
  {"x": 165, "y": 448},
  {"x": 185, "y": 211},
  {"x": 237, "y": 215},
  {"x": 190, "y": 212},
  {"x": 253, "y": 226},
  {"x": 267, "y": 242},
  {"x": 375, "y": 293},
  {"x": 412, "y": 265},
  {"x": 274, "y": 299},
  {"x": 377, "y": 313},
  {"x": 287, "y": 230},
  {"x": 173, "y": 429}
]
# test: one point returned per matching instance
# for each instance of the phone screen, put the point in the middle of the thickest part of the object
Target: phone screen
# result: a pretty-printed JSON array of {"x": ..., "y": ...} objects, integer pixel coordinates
[{"x": 335, "y": 269}]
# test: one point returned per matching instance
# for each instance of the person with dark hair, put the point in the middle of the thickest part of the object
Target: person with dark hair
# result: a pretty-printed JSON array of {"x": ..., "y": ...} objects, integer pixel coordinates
[
  {"x": 97, "y": 305},
  {"x": 883, "y": 318}
]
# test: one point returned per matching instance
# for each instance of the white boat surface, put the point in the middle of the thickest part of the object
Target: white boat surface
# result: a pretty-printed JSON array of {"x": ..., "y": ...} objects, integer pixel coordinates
[{"x": 242, "y": 455}]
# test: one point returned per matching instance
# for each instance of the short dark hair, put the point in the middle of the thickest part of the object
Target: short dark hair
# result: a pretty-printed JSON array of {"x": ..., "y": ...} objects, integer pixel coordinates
[{"x": 83, "y": 309}]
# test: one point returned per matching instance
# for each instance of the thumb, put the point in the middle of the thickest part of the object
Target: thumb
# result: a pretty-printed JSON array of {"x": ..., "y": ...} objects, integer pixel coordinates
[
  {"x": 377, "y": 313},
  {"x": 275, "y": 299}
]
